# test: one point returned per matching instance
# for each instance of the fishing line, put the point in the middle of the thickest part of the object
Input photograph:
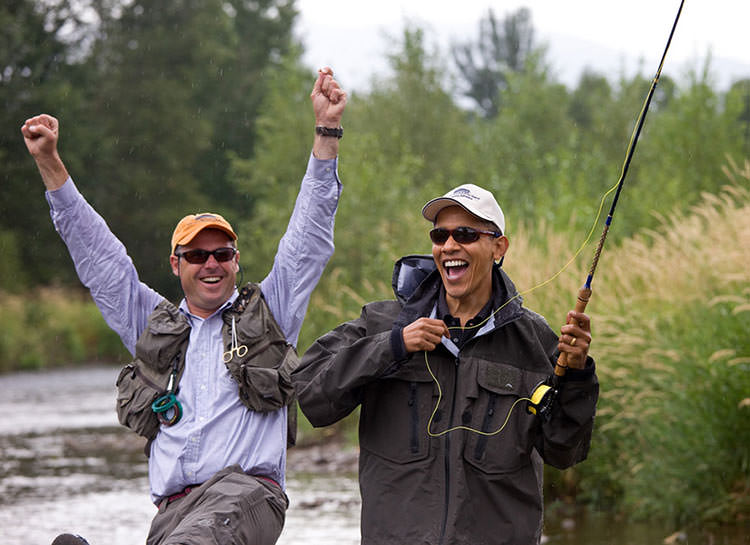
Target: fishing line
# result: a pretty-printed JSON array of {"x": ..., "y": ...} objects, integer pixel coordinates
[
  {"x": 517, "y": 295},
  {"x": 467, "y": 428},
  {"x": 585, "y": 292}
]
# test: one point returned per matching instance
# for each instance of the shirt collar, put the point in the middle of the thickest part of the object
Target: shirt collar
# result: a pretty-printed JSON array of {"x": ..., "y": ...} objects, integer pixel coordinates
[
  {"x": 228, "y": 303},
  {"x": 444, "y": 313}
]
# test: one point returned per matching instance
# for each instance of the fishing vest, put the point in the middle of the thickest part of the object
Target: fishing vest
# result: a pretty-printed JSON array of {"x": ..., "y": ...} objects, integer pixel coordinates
[{"x": 262, "y": 373}]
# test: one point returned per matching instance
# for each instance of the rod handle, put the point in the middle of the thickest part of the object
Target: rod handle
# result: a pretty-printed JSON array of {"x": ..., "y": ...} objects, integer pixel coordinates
[{"x": 584, "y": 294}]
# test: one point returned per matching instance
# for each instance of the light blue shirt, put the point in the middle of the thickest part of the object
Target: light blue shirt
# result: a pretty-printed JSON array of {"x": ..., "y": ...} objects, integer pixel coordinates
[{"x": 216, "y": 430}]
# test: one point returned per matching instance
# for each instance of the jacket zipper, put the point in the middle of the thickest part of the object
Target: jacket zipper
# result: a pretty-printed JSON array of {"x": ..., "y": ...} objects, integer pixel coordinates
[
  {"x": 482, "y": 442},
  {"x": 446, "y": 456},
  {"x": 414, "y": 417}
]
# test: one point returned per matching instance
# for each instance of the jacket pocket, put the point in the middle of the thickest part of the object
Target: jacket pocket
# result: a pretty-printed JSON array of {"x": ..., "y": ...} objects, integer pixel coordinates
[
  {"x": 507, "y": 429},
  {"x": 394, "y": 416},
  {"x": 135, "y": 394}
]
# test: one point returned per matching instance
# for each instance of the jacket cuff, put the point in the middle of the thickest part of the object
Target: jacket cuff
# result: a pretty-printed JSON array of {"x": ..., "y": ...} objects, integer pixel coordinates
[
  {"x": 581, "y": 374},
  {"x": 397, "y": 343}
]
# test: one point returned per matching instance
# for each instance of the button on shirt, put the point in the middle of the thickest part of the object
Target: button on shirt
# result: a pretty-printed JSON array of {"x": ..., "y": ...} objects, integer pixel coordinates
[{"x": 216, "y": 430}]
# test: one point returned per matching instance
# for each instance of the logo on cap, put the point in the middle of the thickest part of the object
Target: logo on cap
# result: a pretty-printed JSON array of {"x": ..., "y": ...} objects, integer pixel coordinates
[{"x": 463, "y": 193}]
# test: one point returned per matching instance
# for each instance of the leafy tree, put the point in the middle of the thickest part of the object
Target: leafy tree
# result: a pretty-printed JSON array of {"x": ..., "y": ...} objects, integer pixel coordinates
[
  {"x": 174, "y": 95},
  {"x": 503, "y": 47},
  {"x": 36, "y": 46},
  {"x": 526, "y": 148},
  {"x": 684, "y": 160},
  {"x": 144, "y": 131},
  {"x": 236, "y": 84},
  {"x": 411, "y": 115},
  {"x": 737, "y": 104},
  {"x": 268, "y": 183},
  {"x": 589, "y": 99}
]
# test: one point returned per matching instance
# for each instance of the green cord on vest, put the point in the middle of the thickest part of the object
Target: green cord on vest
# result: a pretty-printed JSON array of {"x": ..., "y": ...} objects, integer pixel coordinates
[
  {"x": 168, "y": 401},
  {"x": 165, "y": 403}
]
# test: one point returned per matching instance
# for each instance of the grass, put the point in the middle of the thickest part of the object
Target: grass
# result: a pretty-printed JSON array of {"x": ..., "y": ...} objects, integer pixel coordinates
[{"x": 670, "y": 315}]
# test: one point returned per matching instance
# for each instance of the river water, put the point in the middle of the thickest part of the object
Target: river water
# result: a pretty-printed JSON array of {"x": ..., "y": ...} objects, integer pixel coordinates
[{"x": 66, "y": 465}]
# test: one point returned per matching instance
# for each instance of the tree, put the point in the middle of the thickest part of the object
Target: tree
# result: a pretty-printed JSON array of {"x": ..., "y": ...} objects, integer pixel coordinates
[
  {"x": 235, "y": 85},
  {"x": 503, "y": 47},
  {"x": 267, "y": 184},
  {"x": 36, "y": 46},
  {"x": 411, "y": 115},
  {"x": 176, "y": 87},
  {"x": 737, "y": 103}
]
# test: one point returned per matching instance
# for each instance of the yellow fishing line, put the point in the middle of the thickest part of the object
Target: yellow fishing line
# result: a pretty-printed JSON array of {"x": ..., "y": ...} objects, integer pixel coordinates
[
  {"x": 631, "y": 143},
  {"x": 467, "y": 428}
]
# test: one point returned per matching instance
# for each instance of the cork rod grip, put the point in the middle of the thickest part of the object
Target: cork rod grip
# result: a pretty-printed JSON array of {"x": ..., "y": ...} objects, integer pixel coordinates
[{"x": 584, "y": 294}]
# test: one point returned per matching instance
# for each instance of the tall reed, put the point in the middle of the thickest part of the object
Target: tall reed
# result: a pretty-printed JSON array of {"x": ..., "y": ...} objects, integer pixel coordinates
[{"x": 670, "y": 317}]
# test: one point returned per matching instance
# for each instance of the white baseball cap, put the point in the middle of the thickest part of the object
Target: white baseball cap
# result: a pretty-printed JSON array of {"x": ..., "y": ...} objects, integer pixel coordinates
[{"x": 473, "y": 199}]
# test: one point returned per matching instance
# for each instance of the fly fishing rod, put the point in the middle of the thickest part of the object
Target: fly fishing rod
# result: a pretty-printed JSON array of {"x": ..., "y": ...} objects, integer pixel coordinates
[{"x": 543, "y": 395}]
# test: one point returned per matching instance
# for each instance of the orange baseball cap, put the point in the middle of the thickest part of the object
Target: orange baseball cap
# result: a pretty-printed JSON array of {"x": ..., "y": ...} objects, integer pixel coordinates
[{"x": 191, "y": 225}]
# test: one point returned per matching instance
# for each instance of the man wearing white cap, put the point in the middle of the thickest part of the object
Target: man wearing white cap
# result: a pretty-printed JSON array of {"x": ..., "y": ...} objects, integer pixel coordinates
[
  {"x": 209, "y": 386},
  {"x": 452, "y": 441}
]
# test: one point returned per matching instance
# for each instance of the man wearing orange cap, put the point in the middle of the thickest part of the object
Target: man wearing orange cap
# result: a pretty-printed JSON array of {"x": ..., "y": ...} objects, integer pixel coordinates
[
  {"x": 452, "y": 436},
  {"x": 210, "y": 383}
]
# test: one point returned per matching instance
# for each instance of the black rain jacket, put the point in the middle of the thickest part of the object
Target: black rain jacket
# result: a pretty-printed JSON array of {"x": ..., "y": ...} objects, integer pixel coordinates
[{"x": 420, "y": 485}]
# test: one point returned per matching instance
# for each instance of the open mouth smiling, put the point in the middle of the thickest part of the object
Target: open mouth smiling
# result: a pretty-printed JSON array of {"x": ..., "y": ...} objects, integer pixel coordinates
[{"x": 454, "y": 268}]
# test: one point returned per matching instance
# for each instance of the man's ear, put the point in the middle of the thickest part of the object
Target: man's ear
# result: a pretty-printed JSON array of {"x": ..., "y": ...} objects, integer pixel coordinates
[
  {"x": 501, "y": 247},
  {"x": 174, "y": 262}
]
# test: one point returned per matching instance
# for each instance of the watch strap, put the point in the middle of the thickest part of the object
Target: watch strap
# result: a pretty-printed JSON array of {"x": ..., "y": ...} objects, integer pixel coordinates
[{"x": 329, "y": 131}]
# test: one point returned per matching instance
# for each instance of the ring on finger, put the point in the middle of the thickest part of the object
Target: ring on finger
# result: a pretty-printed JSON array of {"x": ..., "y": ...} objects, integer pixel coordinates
[{"x": 573, "y": 342}]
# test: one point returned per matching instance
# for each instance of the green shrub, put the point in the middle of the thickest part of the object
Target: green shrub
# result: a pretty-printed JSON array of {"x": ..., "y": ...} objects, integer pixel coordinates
[{"x": 53, "y": 327}]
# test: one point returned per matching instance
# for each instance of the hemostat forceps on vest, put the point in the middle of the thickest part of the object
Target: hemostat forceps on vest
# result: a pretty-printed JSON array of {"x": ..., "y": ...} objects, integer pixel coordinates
[{"x": 239, "y": 349}]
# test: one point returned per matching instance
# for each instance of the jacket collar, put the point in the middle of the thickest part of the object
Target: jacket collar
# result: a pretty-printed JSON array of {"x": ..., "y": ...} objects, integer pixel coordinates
[{"x": 423, "y": 300}]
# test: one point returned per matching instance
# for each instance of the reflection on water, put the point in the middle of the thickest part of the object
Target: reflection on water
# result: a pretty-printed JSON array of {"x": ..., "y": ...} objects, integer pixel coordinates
[
  {"x": 323, "y": 510},
  {"x": 67, "y": 466}
]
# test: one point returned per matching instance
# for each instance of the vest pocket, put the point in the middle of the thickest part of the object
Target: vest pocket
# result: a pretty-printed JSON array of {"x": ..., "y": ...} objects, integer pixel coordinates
[
  {"x": 135, "y": 394},
  {"x": 262, "y": 388}
]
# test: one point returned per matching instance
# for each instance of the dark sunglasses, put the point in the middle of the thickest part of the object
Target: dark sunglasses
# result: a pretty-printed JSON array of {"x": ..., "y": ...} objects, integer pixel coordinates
[
  {"x": 462, "y": 235},
  {"x": 201, "y": 256}
]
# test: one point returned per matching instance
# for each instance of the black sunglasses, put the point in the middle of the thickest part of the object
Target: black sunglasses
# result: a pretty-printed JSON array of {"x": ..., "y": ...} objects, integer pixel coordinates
[
  {"x": 462, "y": 235},
  {"x": 201, "y": 256}
]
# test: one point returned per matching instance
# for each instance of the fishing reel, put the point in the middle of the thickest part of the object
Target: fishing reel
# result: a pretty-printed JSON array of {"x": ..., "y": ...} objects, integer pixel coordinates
[{"x": 541, "y": 400}]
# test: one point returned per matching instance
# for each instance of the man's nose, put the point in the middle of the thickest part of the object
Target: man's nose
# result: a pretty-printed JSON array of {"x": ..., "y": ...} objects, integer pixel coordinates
[
  {"x": 451, "y": 243},
  {"x": 211, "y": 261}
]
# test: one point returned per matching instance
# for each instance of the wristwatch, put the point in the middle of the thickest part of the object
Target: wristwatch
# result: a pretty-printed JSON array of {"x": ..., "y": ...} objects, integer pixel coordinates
[{"x": 328, "y": 131}]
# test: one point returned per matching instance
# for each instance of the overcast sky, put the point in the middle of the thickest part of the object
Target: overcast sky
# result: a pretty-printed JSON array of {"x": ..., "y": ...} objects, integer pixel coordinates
[{"x": 605, "y": 35}]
